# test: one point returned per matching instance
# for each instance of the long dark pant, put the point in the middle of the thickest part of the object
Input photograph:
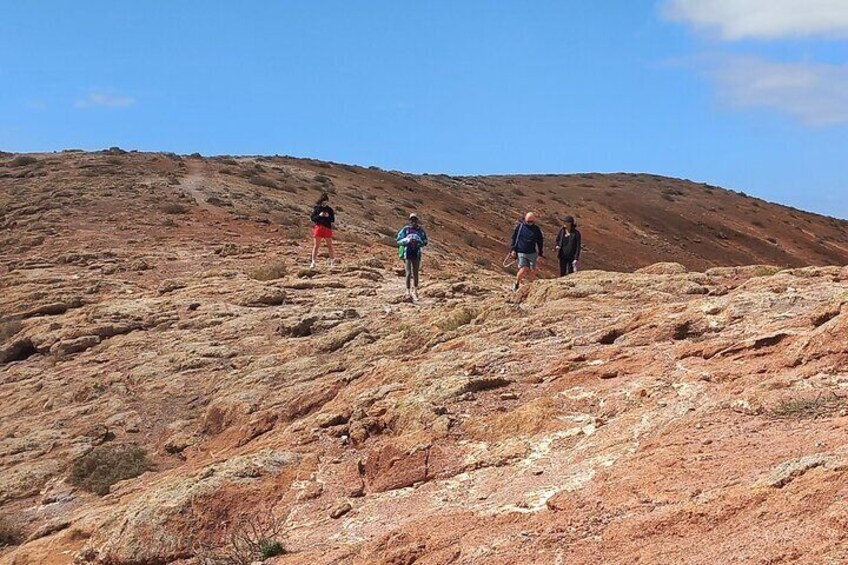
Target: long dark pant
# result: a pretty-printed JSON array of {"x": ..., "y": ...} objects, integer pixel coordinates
[
  {"x": 413, "y": 265},
  {"x": 566, "y": 266}
]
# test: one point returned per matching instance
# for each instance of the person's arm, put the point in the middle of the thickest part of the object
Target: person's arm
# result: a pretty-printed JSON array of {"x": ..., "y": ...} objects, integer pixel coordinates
[
  {"x": 401, "y": 235},
  {"x": 560, "y": 233},
  {"x": 424, "y": 240},
  {"x": 514, "y": 240},
  {"x": 332, "y": 215},
  {"x": 577, "y": 245},
  {"x": 314, "y": 216},
  {"x": 541, "y": 243}
]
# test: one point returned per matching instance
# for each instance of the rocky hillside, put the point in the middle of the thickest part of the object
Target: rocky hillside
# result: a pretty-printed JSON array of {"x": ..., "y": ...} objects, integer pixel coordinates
[
  {"x": 178, "y": 388},
  {"x": 628, "y": 221}
]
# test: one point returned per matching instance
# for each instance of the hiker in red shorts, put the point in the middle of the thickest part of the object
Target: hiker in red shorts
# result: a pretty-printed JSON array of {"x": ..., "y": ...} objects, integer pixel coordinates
[{"x": 323, "y": 218}]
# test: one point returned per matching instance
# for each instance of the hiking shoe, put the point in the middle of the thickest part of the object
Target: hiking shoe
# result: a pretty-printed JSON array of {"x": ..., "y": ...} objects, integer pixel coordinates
[
  {"x": 414, "y": 294},
  {"x": 515, "y": 287},
  {"x": 312, "y": 265},
  {"x": 332, "y": 263}
]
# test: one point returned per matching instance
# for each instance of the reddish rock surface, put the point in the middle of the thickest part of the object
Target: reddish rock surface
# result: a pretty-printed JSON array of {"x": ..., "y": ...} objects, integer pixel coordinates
[{"x": 691, "y": 412}]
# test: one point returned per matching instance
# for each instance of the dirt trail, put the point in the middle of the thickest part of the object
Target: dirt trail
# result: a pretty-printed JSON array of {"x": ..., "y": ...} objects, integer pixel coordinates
[{"x": 193, "y": 183}]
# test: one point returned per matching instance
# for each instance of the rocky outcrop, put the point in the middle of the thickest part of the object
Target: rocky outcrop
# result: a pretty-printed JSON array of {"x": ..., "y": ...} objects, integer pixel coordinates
[{"x": 605, "y": 417}]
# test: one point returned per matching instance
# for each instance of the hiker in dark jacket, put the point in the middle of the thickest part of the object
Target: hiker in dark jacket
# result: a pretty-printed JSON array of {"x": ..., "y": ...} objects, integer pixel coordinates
[
  {"x": 527, "y": 246},
  {"x": 323, "y": 217},
  {"x": 568, "y": 244},
  {"x": 411, "y": 240}
]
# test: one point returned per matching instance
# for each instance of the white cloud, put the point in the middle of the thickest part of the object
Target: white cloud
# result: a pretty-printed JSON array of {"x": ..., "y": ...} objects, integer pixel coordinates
[
  {"x": 104, "y": 99},
  {"x": 763, "y": 19},
  {"x": 815, "y": 93}
]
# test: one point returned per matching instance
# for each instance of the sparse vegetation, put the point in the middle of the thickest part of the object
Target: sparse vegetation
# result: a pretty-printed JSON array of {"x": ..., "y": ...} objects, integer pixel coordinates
[
  {"x": 9, "y": 328},
  {"x": 270, "y": 272},
  {"x": 174, "y": 208},
  {"x": 458, "y": 318},
  {"x": 249, "y": 540},
  {"x": 259, "y": 180},
  {"x": 105, "y": 465},
  {"x": 765, "y": 271},
  {"x": 215, "y": 201},
  {"x": 483, "y": 262},
  {"x": 10, "y": 533},
  {"x": 23, "y": 161},
  {"x": 808, "y": 408}
]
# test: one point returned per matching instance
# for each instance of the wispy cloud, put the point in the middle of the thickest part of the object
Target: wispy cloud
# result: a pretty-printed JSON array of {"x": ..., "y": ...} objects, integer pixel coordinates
[
  {"x": 35, "y": 104},
  {"x": 104, "y": 99},
  {"x": 762, "y": 19},
  {"x": 814, "y": 93}
]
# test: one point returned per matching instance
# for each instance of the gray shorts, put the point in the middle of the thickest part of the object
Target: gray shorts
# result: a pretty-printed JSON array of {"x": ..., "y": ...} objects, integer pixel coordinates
[{"x": 527, "y": 260}]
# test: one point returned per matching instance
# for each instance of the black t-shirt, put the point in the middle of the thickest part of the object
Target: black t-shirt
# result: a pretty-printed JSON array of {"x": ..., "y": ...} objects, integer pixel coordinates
[
  {"x": 326, "y": 221},
  {"x": 569, "y": 244}
]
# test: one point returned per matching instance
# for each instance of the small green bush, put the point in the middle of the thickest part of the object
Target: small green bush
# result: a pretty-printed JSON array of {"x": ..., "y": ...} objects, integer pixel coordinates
[
  {"x": 270, "y": 548},
  {"x": 105, "y": 465}
]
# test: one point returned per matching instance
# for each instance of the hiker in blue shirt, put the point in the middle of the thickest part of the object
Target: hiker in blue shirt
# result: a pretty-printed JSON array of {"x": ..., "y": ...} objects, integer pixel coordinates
[
  {"x": 527, "y": 245},
  {"x": 411, "y": 239}
]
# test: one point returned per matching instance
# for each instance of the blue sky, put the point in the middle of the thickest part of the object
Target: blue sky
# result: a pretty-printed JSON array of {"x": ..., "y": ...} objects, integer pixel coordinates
[{"x": 747, "y": 94}]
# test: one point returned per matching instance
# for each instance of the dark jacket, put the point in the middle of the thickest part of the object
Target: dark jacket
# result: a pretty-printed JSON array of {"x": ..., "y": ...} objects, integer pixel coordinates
[
  {"x": 569, "y": 245},
  {"x": 326, "y": 221},
  {"x": 527, "y": 238}
]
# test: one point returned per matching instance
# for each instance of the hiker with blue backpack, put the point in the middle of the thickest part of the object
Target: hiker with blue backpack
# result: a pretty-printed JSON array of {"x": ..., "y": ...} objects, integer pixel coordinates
[
  {"x": 527, "y": 246},
  {"x": 411, "y": 240}
]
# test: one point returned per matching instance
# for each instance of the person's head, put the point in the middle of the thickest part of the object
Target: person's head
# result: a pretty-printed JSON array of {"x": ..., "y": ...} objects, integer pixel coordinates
[
  {"x": 569, "y": 223},
  {"x": 530, "y": 218},
  {"x": 323, "y": 199},
  {"x": 413, "y": 219}
]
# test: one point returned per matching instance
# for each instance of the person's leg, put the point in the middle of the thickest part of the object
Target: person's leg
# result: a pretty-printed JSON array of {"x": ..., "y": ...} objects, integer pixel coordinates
[
  {"x": 408, "y": 264},
  {"x": 569, "y": 266},
  {"x": 416, "y": 267},
  {"x": 519, "y": 278},
  {"x": 315, "y": 242},
  {"x": 531, "y": 263},
  {"x": 563, "y": 267},
  {"x": 330, "y": 249}
]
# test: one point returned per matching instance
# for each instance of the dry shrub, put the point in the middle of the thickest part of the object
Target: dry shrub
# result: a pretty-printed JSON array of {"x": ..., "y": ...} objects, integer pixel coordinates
[
  {"x": 270, "y": 272},
  {"x": 808, "y": 407},
  {"x": 249, "y": 540},
  {"x": 174, "y": 208},
  {"x": 458, "y": 318},
  {"x": 765, "y": 271},
  {"x": 259, "y": 180},
  {"x": 105, "y": 465},
  {"x": 23, "y": 161},
  {"x": 10, "y": 533},
  {"x": 9, "y": 328}
]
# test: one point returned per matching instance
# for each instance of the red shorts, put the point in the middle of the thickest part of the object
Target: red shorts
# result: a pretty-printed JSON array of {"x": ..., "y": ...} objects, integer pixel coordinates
[{"x": 320, "y": 231}]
